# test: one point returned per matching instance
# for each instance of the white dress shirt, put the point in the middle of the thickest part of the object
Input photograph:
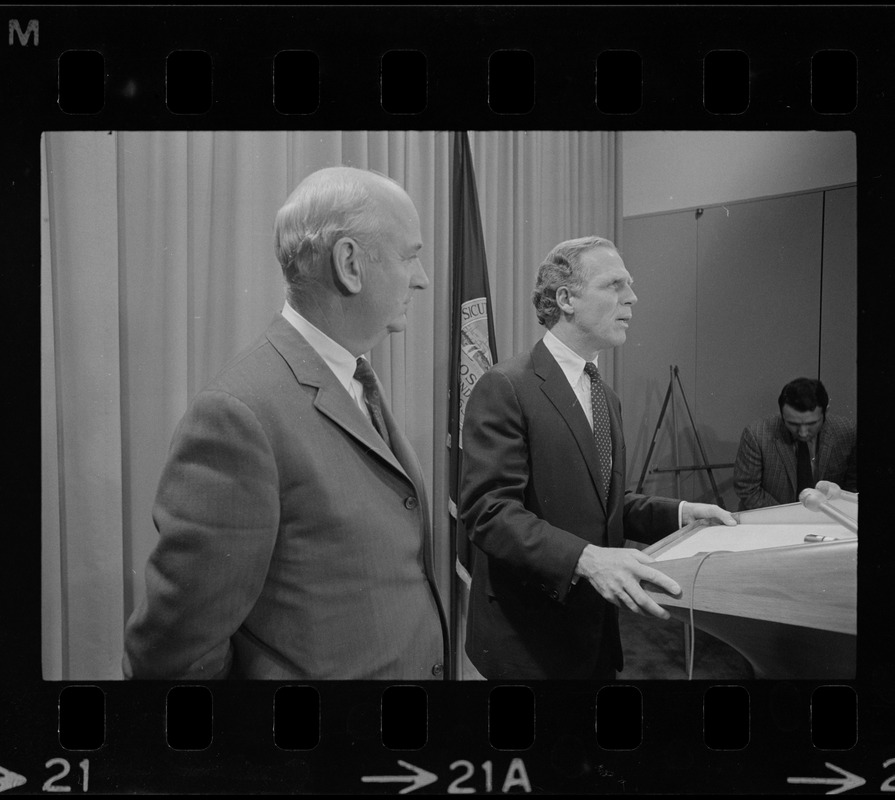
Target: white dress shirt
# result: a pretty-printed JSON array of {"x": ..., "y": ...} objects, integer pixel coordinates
[
  {"x": 337, "y": 358},
  {"x": 572, "y": 366}
]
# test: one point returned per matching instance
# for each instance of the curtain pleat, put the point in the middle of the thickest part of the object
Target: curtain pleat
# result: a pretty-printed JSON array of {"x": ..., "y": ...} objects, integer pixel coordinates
[
  {"x": 54, "y": 628},
  {"x": 84, "y": 281},
  {"x": 158, "y": 267},
  {"x": 155, "y": 326}
]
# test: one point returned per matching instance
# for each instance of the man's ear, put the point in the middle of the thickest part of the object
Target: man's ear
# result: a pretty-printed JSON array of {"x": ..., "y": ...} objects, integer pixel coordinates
[
  {"x": 347, "y": 265},
  {"x": 563, "y": 299}
]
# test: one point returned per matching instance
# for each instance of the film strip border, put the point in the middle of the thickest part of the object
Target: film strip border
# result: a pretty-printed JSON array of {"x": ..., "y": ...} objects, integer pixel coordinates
[
  {"x": 404, "y": 81},
  {"x": 404, "y": 718},
  {"x": 512, "y": 67},
  {"x": 470, "y": 738},
  {"x": 414, "y": 67}
]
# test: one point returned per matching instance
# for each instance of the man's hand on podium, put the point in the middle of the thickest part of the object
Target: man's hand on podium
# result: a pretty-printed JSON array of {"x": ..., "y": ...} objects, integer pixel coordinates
[{"x": 690, "y": 512}]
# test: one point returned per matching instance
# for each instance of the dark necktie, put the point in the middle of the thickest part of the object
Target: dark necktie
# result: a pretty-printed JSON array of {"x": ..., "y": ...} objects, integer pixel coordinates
[
  {"x": 602, "y": 434},
  {"x": 804, "y": 476},
  {"x": 364, "y": 373}
]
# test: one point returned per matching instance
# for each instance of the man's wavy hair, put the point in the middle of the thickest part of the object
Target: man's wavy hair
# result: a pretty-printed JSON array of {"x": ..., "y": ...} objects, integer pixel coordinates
[
  {"x": 562, "y": 267},
  {"x": 804, "y": 394},
  {"x": 327, "y": 205}
]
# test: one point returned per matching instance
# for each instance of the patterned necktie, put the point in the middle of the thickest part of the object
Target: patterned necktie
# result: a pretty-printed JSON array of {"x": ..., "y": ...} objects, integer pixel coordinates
[
  {"x": 804, "y": 475},
  {"x": 602, "y": 434},
  {"x": 364, "y": 373}
]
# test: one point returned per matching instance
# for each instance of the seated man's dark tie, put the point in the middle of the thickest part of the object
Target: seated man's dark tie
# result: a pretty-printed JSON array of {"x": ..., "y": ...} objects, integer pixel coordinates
[
  {"x": 804, "y": 473},
  {"x": 364, "y": 373},
  {"x": 602, "y": 433}
]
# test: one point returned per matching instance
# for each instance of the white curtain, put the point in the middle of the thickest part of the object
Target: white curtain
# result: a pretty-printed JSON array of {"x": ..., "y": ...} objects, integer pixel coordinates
[{"x": 158, "y": 266}]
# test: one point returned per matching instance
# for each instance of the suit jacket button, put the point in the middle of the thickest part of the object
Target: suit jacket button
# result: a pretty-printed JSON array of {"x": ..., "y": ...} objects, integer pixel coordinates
[
  {"x": 437, "y": 669},
  {"x": 554, "y": 594},
  {"x": 410, "y": 502}
]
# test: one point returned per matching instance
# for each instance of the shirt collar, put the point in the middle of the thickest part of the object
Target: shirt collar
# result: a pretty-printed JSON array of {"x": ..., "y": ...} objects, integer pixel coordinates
[
  {"x": 337, "y": 358},
  {"x": 569, "y": 361}
]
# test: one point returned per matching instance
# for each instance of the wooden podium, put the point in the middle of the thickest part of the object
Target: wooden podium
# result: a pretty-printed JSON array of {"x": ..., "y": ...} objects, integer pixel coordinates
[{"x": 786, "y": 604}]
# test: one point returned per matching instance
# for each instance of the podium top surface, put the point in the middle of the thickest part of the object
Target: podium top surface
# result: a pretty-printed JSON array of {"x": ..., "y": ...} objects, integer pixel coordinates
[
  {"x": 743, "y": 537},
  {"x": 757, "y": 529}
]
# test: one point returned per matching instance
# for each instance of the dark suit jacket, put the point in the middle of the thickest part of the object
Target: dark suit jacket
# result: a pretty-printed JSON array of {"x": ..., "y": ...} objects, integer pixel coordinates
[
  {"x": 293, "y": 543},
  {"x": 764, "y": 472},
  {"x": 530, "y": 502}
]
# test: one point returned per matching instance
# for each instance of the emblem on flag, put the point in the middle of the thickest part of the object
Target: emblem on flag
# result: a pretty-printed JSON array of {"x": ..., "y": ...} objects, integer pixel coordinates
[{"x": 475, "y": 352}]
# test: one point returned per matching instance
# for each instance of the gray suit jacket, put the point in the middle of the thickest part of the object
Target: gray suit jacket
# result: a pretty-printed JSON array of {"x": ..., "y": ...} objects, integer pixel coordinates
[
  {"x": 532, "y": 499},
  {"x": 764, "y": 472},
  {"x": 293, "y": 543}
]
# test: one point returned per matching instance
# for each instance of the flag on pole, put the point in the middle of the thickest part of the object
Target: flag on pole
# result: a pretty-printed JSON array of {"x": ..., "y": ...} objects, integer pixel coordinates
[{"x": 473, "y": 349}]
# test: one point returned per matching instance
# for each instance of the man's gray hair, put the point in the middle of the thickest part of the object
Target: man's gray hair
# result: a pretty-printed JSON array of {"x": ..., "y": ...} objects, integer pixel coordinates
[
  {"x": 562, "y": 267},
  {"x": 327, "y": 205}
]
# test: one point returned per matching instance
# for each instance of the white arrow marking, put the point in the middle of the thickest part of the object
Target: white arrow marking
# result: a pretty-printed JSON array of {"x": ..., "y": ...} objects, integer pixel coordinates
[
  {"x": 10, "y": 779},
  {"x": 417, "y": 781},
  {"x": 847, "y": 781}
]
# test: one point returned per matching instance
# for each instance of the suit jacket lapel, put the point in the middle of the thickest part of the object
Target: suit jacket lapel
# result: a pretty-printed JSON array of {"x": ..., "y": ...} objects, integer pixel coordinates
[
  {"x": 332, "y": 400},
  {"x": 411, "y": 463},
  {"x": 822, "y": 451},
  {"x": 561, "y": 395},
  {"x": 617, "y": 488},
  {"x": 409, "y": 460},
  {"x": 787, "y": 454},
  {"x": 401, "y": 448}
]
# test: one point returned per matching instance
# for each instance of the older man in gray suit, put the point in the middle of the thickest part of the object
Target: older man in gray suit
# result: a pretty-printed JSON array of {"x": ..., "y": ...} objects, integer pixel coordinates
[
  {"x": 783, "y": 454},
  {"x": 294, "y": 527}
]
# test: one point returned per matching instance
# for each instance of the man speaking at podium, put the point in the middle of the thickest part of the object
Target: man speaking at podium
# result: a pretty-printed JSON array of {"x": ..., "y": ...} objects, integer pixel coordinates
[{"x": 543, "y": 495}]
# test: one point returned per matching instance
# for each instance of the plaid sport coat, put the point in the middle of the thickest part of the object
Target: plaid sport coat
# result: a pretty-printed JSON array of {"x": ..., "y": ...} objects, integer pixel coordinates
[{"x": 764, "y": 472}]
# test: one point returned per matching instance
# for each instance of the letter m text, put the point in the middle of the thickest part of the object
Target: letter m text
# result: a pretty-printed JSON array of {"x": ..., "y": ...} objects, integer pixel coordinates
[{"x": 16, "y": 30}]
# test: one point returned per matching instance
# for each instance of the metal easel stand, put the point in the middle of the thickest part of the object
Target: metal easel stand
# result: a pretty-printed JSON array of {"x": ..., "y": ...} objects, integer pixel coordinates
[{"x": 677, "y": 469}]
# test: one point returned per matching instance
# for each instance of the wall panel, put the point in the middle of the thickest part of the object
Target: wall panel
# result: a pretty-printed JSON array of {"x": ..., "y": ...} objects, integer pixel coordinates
[
  {"x": 839, "y": 307},
  {"x": 758, "y": 313},
  {"x": 660, "y": 253}
]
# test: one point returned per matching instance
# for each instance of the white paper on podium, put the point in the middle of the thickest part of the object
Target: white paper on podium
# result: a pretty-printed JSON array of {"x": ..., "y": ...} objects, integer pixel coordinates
[{"x": 748, "y": 537}]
